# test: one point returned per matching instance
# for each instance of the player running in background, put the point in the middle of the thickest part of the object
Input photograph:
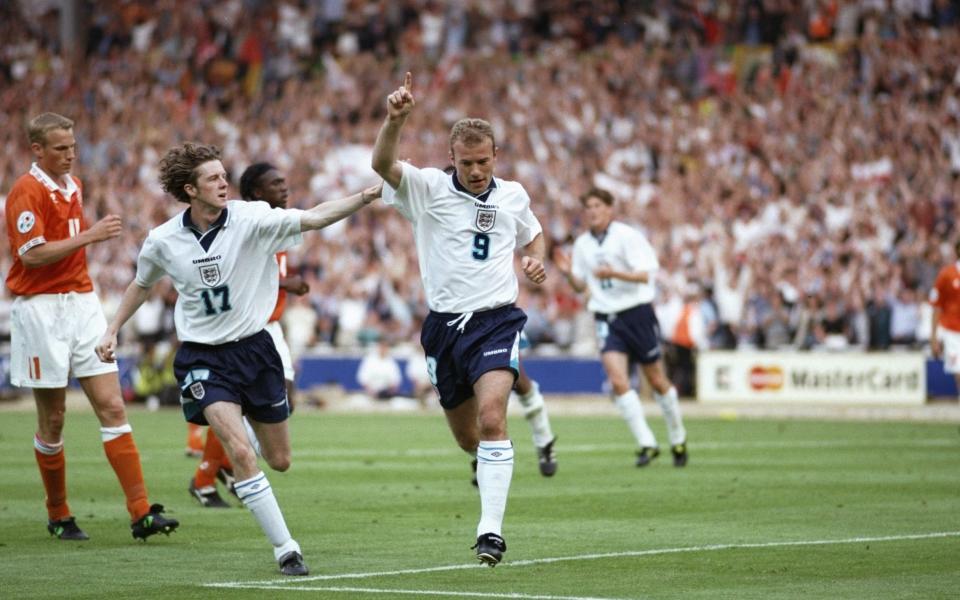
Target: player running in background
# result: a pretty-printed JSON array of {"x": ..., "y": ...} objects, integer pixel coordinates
[
  {"x": 535, "y": 412},
  {"x": 56, "y": 320},
  {"x": 220, "y": 256},
  {"x": 260, "y": 181},
  {"x": 616, "y": 263},
  {"x": 945, "y": 334},
  {"x": 467, "y": 227}
]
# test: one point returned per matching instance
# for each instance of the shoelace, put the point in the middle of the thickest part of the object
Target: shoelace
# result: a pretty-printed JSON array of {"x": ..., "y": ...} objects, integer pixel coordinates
[{"x": 463, "y": 319}]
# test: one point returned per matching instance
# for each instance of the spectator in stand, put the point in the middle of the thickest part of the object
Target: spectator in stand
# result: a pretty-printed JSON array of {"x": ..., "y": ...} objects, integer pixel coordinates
[
  {"x": 379, "y": 372},
  {"x": 904, "y": 317}
]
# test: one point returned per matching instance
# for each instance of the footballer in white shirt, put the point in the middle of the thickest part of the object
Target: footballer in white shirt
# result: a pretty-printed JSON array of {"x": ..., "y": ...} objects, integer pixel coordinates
[
  {"x": 618, "y": 266},
  {"x": 467, "y": 226},
  {"x": 219, "y": 253}
]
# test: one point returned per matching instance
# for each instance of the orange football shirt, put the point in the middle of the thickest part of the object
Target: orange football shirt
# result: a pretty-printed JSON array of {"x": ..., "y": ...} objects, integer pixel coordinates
[
  {"x": 945, "y": 295},
  {"x": 37, "y": 212}
]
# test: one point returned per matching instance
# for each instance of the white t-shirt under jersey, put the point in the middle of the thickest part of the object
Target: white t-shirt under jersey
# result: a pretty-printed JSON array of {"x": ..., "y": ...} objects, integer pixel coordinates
[
  {"x": 465, "y": 246},
  {"x": 227, "y": 292},
  {"x": 623, "y": 248}
]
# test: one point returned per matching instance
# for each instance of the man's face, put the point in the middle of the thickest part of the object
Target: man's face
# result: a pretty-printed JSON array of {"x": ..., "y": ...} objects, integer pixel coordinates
[
  {"x": 211, "y": 186},
  {"x": 57, "y": 154},
  {"x": 272, "y": 188},
  {"x": 598, "y": 213},
  {"x": 474, "y": 164}
]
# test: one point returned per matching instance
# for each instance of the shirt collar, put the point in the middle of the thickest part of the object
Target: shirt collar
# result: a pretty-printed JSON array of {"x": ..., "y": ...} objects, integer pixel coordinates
[
  {"x": 482, "y": 196},
  {"x": 600, "y": 236},
  {"x": 41, "y": 176},
  {"x": 220, "y": 222}
]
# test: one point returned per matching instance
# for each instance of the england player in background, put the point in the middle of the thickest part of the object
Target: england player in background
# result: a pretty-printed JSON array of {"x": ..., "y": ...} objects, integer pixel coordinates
[
  {"x": 220, "y": 256},
  {"x": 616, "y": 263},
  {"x": 467, "y": 227}
]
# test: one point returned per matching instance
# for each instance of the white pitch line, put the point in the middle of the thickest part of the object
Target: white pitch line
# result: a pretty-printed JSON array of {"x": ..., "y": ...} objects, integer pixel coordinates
[
  {"x": 273, "y": 583},
  {"x": 516, "y": 595}
]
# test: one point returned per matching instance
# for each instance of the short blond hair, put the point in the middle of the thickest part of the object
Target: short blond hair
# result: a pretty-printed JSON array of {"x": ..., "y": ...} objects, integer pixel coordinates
[
  {"x": 471, "y": 132},
  {"x": 42, "y": 124}
]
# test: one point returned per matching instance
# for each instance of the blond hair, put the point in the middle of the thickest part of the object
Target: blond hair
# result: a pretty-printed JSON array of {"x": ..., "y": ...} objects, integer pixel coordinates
[
  {"x": 42, "y": 124},
  {"x": 471, "y": 132}
]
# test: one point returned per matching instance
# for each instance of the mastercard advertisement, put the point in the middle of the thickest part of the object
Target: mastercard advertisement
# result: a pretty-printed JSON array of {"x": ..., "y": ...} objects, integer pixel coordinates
[{"x": 848, "y": 377}]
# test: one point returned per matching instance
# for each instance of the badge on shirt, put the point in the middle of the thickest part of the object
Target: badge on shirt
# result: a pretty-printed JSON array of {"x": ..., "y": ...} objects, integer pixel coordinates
[
  {"x": 485, "y": 219},
  {"x": 210, "y": 274},
  {"x": 26, "y": 221}
]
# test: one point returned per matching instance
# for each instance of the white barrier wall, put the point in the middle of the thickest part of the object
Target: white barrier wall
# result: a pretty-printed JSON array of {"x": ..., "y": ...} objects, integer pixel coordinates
[{"x": 887, "y": 378}]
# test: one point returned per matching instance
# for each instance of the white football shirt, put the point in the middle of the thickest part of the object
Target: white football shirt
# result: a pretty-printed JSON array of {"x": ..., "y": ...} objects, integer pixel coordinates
[
  {"x": 228, "y": 291},
  {"x": 465, "y": 246},
  {"x": 623, "y": 248}
]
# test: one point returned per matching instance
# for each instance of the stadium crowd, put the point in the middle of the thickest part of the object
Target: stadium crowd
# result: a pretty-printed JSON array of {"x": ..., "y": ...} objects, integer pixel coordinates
[{"x": 796, "y": 165}]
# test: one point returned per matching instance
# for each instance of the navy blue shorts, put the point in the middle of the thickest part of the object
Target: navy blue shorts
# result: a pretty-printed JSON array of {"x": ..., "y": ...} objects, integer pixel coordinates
[
  {"x": 247, "y": 372},
  {"x": 455, "y": 360},
  {"x": 635, "y": 332}
]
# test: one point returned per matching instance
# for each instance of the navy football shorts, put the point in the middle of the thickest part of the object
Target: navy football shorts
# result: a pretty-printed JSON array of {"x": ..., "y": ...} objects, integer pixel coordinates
[
  {"x": 456, "y": 359},
  {"x": 635, "y": 332},
  {"x": 247, "y": 372}
]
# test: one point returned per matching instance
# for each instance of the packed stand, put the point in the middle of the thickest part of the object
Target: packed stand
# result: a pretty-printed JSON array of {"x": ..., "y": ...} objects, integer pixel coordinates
[{"x": 796, "y": 165}]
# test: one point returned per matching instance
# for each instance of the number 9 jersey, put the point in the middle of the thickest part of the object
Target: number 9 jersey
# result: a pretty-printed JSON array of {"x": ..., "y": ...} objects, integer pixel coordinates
[
  {"x": 465, "y": 244},
  {"x": 226, "y": 277}
]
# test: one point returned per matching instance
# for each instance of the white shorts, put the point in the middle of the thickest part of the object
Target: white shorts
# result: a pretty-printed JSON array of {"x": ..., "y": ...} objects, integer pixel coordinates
[
  {"x": 52, "y": 337},
  {"x": 951, "y": 350},
  {"x": 276, "y": 332}
]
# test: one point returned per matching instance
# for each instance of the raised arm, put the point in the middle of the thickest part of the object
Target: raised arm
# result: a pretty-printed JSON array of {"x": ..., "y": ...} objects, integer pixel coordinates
[
  {"x": 133, "y": 297},
  {"x": 330, "y": 212},
  {"x": 50, "y": 252},
  {"x": 399, "y": 105}
]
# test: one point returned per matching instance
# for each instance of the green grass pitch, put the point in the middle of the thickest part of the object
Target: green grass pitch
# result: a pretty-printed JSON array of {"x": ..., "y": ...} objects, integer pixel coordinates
[{"x": 383, "y": 507}]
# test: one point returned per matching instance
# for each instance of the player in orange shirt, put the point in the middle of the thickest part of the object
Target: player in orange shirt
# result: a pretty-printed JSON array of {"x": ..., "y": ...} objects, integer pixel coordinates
[
  {"x": 945, "y": 298},
  {"x": 260, "y": 181},
  {"x": 56, "y": 321}
]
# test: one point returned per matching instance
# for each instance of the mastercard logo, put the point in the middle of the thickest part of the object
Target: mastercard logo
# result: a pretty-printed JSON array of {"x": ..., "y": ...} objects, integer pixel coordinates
[{"x": 766, "y": 378}]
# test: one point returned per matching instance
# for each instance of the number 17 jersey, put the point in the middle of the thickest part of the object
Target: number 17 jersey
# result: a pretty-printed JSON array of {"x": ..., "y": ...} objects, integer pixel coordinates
[{"x": 227, "y": 277}]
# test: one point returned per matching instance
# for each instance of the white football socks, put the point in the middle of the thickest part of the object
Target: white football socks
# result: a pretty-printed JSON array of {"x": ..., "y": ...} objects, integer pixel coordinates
[
  {"x": 257, "y": 495},
  {"x": 670, "y": 405},
  {"x": 632, "y": 412},
  {"x": 535, "y": 411},
  {"x": 494, "y": 472}
]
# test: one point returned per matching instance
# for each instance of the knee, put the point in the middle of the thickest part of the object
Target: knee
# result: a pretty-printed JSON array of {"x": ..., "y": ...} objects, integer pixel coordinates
[
  {"x": 111, "y": 411},
  {"x": 51, "y": 426},
  {"x": 279, "y": 462},
  {"x": 493, "y": 429},
  {"x": 620, "y": 384}
]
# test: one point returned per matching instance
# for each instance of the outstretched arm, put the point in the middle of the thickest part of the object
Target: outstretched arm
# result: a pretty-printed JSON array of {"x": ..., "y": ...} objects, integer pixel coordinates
[
  {"x": 133, "y": 297},
  {"x": 399, "y": 105},
  {"x": 330, "y": 212}
]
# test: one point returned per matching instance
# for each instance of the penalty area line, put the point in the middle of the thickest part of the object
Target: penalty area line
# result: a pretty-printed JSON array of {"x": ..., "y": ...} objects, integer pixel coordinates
[{"x": 293, "y": 583}]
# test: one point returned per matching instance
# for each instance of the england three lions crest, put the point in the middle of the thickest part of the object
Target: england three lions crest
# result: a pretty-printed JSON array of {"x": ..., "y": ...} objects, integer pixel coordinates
[
  {"x": 210, "y": 274},
  {"x": 485, "y": 219}
]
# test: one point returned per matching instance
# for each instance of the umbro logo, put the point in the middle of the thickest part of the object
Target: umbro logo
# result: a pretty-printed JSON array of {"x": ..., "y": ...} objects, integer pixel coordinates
[
  {"x": 496, "y": 454},
  {"x": 497, "y": 351}
]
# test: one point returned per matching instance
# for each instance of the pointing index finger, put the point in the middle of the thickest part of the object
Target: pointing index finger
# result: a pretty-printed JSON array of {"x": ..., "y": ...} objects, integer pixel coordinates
[{"x": 408, "y": 81}]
